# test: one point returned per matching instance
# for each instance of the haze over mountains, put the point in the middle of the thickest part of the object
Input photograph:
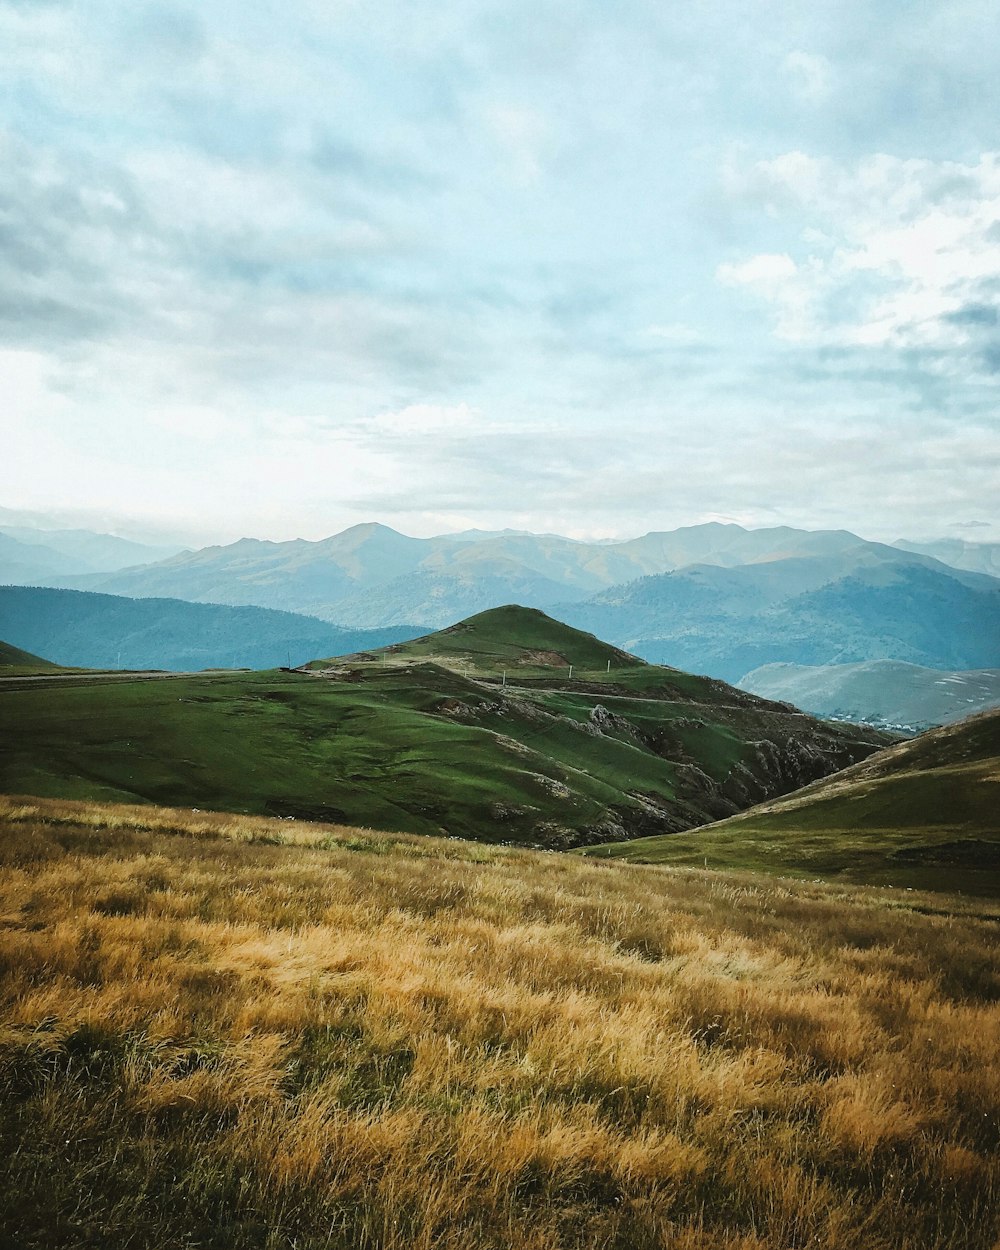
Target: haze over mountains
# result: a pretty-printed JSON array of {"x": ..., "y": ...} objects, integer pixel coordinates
[
  {"x": 713, "y": 598},
  {"x": 29, "y": 555},
  {"x": 885, "y": 692},
  {"x": 958, "y": 552}
]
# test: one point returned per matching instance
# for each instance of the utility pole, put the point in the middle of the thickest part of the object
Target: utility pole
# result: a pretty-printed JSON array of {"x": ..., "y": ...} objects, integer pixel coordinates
[
  {"x": 609, "y": 666},
  {"x": 571, "y": 672}
]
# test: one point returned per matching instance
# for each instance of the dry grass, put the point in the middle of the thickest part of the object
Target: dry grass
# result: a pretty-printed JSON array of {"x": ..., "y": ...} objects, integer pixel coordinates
[{"x": 236, "y": 1032}]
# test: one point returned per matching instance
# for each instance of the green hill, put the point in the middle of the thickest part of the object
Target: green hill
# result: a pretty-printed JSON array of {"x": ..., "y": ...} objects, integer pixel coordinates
[
  {"x": 922, "y": 814},
  {"x": 15, "y": 662},
  {"x": 427, "y": 738},
  {"x": 523, "y": 639}
]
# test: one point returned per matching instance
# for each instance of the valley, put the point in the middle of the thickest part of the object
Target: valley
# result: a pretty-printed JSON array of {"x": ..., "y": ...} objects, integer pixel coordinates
[
  {"x": 890, "y": 693},
  {"x": 922, "y": 814}
]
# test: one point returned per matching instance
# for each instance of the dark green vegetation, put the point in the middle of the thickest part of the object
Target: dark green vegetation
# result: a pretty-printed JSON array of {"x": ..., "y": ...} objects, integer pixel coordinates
[
  {"x": 924, "y": 814},
  {"x": 16, "y": 663},
  {"x": 425, "y": 738},
  {"x": 530, "y": 643},
  {"x": 107, "y": 631},
  {"x": 885, "y": 692}
]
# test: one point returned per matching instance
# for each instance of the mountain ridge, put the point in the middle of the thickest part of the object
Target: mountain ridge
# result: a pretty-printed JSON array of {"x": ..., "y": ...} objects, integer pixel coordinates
[{"x": 714, "y": 598}]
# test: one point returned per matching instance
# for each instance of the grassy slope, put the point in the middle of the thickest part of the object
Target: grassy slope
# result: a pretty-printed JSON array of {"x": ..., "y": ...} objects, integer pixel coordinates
[
  {"x": 244, "y": 1034},
  {"x": 922, "y": 814},
  {"x": 412, "y": 745},
  {"x": 17, "y": 663},
  {"x": 523, "y": 638}
]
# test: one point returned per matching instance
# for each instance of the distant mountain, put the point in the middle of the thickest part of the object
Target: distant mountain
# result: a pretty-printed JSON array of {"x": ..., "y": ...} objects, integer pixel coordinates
[
  {"x": 22, "y": 564},
  {"x": 714, "y": 598},
  {"x": 296, "y": 575},
  {"x": 372, "y": 575},
  {"x": 960, "y": 554},
  {"x": 84, "y": 629},
  {"x": 921, "y": 814},
  {"x": 441, "y": 598},
  {"x": 29, "y": 555},
  {"x": 885, "y": 692},
  {"x": 862, "y": 606}
]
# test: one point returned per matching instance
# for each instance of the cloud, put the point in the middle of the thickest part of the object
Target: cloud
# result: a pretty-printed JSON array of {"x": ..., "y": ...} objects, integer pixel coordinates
[
  {"x": 425, "y": 419},
  {"x": 890, "y": 252},
  {"x": 471, "y": 260},
  {"x": 520, "y": 134},
  {"x": 810, "y": 76},
  {"x": 677, "y": 334}
]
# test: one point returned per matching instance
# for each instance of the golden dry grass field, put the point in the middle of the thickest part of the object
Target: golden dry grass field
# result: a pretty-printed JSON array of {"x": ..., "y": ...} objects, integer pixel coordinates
[{"x": 234, "y": 1032}]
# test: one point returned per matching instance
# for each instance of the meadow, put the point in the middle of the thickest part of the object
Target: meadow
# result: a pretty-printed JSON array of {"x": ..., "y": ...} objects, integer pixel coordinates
[
  {"x": 224, "y": 1031},
  {"x": 420, "y": 747}
]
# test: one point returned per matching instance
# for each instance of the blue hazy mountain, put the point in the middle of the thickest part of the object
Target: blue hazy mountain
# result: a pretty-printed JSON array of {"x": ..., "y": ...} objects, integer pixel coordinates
[
  {"x": 718, "y": 599},
  {"x": 83, "y": 629},
  {"x": 29, "y": 555},
  {"x": 726, "y": 622}
]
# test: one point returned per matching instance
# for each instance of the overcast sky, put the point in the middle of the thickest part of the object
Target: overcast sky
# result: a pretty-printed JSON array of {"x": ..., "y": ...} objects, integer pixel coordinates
[{"x": 273, "y": 269}]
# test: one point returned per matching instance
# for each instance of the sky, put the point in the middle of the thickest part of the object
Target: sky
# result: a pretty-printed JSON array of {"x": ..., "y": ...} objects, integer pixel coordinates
[{"x": 588, "y": 268}]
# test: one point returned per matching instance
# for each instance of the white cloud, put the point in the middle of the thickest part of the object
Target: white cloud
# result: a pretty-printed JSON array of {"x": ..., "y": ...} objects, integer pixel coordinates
[
  {"x": 677, "y": 333},
  {"x": 521, "y": 134},
  {"x": 893, "y": 252},
  {"x": 195, "y": 422},
  {"x": 810, "y": 76},
  {"x": 790, "y": 287},
  {"x": 417, "y": 419},
  {"x": 767, "y": 269}
]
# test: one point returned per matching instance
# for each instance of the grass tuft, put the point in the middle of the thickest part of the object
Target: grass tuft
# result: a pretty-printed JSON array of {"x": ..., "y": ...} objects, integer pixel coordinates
[{"x": 225, "y": 1031}]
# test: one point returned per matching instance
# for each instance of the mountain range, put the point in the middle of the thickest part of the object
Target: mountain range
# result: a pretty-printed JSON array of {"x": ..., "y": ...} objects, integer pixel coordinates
[
  {"x": 714, "y": 598},
  {"x": 29, "y": 555}
]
